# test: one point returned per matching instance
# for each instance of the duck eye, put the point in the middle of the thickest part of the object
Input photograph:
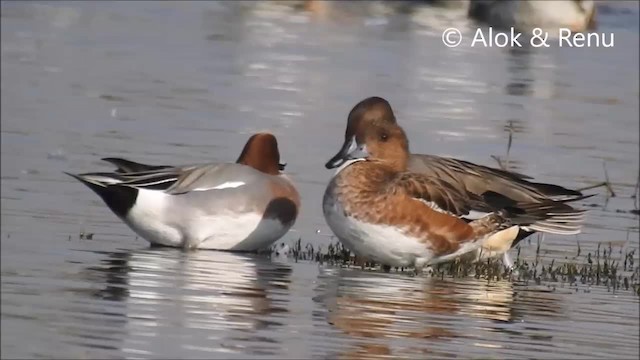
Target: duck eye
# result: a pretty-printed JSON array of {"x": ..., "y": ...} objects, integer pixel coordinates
[{"x": 384, "y": 137}]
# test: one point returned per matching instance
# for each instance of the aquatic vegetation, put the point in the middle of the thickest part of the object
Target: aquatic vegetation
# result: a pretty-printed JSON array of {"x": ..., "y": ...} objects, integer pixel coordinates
[{"x": 616, "y": 272}]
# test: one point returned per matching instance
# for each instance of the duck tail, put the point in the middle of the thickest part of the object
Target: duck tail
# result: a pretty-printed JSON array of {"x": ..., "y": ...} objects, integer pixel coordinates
[
  {"x": 120, "y": 199},
  {"x": 556, "y": 192},
  {"x": 548, "y": 216}
]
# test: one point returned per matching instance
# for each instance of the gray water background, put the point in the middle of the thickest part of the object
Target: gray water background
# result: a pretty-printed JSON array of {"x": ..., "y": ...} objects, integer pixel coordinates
[{"x": 167, "y": 82}]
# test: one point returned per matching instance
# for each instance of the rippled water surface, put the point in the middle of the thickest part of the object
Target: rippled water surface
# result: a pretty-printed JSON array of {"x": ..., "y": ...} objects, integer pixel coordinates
[{"x": 165, "y": 82}]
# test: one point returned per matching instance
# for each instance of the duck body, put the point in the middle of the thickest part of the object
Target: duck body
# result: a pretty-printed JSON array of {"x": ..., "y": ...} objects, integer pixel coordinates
[
  {"x": 376, "y": 219},
  {"x": 463, "y": 208},
  {"x": 226, "y": 206}
]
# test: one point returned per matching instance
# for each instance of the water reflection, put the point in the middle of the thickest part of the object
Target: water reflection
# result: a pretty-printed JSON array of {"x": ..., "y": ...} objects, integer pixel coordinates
[
  {"x": 381, "y": 312},
  {"x": 207, "y": 302},
  {"x": 519, "y": 70}
]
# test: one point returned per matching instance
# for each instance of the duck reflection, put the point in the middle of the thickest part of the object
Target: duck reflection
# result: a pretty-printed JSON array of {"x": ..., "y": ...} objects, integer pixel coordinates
[
  {"x": 203, "y": 300},
  {"x": 530, "y": 73},
  {"x": 379, "y": 309},
  {"x": 519, "y": 69}
]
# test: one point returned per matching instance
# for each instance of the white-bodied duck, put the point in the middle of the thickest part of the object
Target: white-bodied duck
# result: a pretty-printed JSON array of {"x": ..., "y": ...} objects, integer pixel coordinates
[{"x": 242, "y": 206}]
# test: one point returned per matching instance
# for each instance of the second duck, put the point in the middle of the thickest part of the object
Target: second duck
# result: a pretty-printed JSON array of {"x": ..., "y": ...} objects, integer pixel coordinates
[{"x": 242, "y": 206}]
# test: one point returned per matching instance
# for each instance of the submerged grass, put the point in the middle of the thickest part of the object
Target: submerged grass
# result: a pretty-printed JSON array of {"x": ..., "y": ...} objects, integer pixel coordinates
[{"x": 591, "y": 269}]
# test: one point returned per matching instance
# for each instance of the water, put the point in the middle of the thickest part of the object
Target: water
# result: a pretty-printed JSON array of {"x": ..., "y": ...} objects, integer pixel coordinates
[{"x": 165, "y": 82}]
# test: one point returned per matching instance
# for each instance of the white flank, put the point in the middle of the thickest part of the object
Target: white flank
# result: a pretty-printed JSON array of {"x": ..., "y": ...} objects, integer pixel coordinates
[
  {"x": 153, "y": 218},
  {"x": 245, "y": 232},
  {"x": 148, "y": 215},
  {"x": 386, "y": 244}
]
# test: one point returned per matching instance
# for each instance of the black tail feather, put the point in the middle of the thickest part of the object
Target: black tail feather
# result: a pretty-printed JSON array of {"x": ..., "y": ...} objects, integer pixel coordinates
[
  {"x": 555, "y": 190},
  {"x": 127, "y": 166},
  {"x": 120, "y": 199}
]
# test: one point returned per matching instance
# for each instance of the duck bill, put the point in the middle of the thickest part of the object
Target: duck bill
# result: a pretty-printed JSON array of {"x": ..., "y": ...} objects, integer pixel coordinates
[{"x": 350, "y": 151}]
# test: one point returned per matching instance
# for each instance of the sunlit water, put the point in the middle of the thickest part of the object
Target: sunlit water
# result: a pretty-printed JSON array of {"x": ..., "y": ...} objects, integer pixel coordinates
[{"x": 164, "y": 82}]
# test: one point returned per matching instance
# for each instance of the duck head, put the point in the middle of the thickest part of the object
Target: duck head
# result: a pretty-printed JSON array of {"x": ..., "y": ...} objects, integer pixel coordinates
[
  {"x": 373, "y": 134},
  {"x": 261, "y": 153}
]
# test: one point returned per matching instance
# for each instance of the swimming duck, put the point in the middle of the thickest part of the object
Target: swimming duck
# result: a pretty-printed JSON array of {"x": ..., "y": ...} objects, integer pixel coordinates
[
  {"x": 242, "y": 206},
  {"x": 412, "y": 209},
  {"x": 525, "y": 15}
]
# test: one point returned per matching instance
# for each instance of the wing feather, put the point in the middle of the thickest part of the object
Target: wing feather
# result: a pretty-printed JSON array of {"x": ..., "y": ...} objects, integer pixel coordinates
[{"x": 439, "y": 194}]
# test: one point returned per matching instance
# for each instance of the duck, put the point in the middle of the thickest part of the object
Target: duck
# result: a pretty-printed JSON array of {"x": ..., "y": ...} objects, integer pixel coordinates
[
  {"x": 241, "y": 206},
  {"x": 415, "y": 209},
  {"x": 525, "y": 15}
]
